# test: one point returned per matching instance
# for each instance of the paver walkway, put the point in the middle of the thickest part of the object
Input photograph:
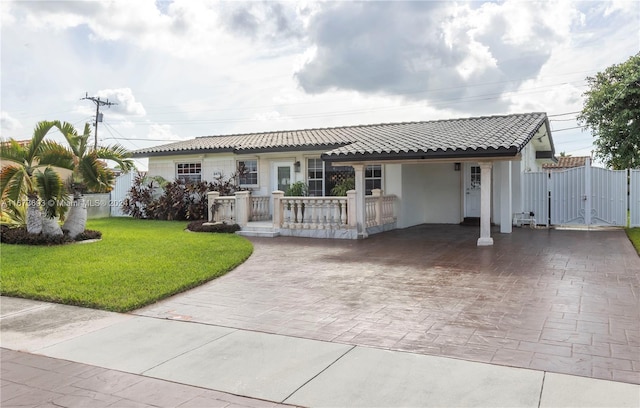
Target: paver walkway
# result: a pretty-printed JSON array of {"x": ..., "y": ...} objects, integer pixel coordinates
[{"x": 559, "y": 301}]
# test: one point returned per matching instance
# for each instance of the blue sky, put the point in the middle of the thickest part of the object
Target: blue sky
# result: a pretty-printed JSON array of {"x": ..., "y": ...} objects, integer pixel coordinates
[{"x": 191, "y": 68}]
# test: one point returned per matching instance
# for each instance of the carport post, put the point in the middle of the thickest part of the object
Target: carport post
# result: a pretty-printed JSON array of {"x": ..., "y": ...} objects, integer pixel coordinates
[
  {"x": 485, "y": 204},
  {"x": 361, "y": 225},
  {"x": 506, "y": 211}
]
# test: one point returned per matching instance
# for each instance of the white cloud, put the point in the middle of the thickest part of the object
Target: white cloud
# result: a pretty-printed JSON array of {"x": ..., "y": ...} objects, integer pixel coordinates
[
  {"x": 195, "y": 67},
  {"x": 8, "y": 122},
  {"x": 125, "y": 101},
  {"x": 161, "y": 132}
]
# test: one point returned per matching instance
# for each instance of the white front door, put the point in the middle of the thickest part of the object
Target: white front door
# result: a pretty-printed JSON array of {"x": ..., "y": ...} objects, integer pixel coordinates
[
  {"x": 472, "y": 190},
  {"x": 281, "y": 176}
]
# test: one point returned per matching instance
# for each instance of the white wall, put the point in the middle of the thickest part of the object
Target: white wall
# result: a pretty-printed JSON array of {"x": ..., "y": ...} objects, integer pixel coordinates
[
  {"x": 225, "y": 163},
  {"x": 431, "y": 193}
]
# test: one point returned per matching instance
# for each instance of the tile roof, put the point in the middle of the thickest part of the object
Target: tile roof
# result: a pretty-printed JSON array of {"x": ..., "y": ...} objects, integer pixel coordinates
[
  {"x": 567, "y": 162},
  {"x": 480, "y": 136}
]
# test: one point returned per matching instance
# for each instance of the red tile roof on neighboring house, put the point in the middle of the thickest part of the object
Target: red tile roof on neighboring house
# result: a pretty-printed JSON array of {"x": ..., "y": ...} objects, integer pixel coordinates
[
  {"x": 567, "y": 162},
  {"x": 487, "y": 136}
]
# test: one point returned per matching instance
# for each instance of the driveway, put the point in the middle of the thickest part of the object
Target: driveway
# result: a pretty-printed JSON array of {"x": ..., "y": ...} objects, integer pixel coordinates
[{"x": 559, "y": 301}]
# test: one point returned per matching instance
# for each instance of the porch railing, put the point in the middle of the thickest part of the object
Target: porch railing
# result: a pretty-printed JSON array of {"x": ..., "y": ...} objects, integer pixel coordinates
[{"x": 303, "y": 213}]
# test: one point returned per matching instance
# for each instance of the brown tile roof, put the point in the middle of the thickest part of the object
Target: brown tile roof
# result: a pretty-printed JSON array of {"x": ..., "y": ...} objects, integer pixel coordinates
[
  {"x": 480, "y": 136},
  {"x": 567, "y": 162}
]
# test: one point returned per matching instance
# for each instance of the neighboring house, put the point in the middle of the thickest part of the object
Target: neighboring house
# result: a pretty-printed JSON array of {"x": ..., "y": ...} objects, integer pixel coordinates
[
  {"x": 406, "y": 173},
  {"x": 566, "y": 162}
]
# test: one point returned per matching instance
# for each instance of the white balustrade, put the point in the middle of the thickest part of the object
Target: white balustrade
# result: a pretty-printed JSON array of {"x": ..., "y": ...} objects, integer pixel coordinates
[
  {"x": 314, "y": 212},
  {"x": 225, "y": 210},
  {"x": 259, "y": 209}
]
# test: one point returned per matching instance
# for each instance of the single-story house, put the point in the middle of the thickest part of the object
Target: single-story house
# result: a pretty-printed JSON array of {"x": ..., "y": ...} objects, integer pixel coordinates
[{"x": 406, "y": 174}]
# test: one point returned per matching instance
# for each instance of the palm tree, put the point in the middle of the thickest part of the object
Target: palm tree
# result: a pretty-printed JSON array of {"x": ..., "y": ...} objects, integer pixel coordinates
[
  {"x": 30, "y": 174},
  {"x": 90, "y": 171}
]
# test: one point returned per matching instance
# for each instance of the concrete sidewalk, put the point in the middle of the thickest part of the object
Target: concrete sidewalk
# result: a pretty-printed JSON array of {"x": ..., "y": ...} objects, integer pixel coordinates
[{"x": 115, "y": 359}]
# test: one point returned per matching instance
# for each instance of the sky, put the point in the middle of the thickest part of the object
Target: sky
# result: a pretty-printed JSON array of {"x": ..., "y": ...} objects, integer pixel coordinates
[{"x": 186, "y": 68}]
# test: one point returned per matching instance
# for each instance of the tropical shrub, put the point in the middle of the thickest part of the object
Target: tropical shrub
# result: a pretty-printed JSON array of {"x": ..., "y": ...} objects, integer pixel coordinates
[
  {"x": 340, "y": 189},
  {"x": 198, "y": 226},
  {"x": 178, "y": 200},
  {"x": 297, "y": 189}
]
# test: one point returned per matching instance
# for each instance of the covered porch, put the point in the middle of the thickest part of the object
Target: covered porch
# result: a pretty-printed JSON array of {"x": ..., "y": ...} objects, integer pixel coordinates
[{"x": 357, "y": 215}]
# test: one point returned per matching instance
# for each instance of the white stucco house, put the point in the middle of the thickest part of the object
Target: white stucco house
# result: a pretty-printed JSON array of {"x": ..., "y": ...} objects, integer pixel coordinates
[{"x": 406, "y": 174}]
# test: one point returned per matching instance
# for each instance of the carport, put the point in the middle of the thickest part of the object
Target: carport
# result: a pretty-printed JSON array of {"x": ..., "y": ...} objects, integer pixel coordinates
[{"x": 481, "y": 159}]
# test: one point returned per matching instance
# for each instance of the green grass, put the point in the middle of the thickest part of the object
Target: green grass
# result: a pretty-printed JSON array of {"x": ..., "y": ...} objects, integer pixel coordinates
[
  {"x": 137, "y": 263},
  {"x": 634, "y": 236}
]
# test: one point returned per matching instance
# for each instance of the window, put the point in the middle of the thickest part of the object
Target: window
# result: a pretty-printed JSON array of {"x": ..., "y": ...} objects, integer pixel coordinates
[
  {"x": 189, "y": 172},
  {"x": 372, "y": 177},
  {"x": 315, "y": 177},
  {"x": 475, "y": 177},
  {"x": 248, "y": 172}
]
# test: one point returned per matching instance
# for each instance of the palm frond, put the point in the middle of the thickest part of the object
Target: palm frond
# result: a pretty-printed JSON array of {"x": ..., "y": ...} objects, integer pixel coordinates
[
  {"x": 54, "y": 154},
  {"x": 14, "y": 182},
  {"x": 71, "y": 135},
  {"x": 40, "y": 131},
  {"x": 118, "y": 154},
  {"x": 51, "y": 189},
  {"x": 12, "y": 151}
]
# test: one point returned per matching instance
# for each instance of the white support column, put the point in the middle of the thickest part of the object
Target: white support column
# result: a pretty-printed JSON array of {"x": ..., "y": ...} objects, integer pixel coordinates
[
  {"x": 587, "y": 191},
  {"x": 211, "y": 199},
  {"x": 506, "y": 204},
  {"x": 278, "y": 216},
  {"x": 485, "y": 204},
  {"x": 243, "y": 207},
  {"x": 361, "y": 225}
]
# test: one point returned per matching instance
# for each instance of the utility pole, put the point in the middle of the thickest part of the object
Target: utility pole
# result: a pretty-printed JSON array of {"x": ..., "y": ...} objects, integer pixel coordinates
[{"x": 99, "y": 102}]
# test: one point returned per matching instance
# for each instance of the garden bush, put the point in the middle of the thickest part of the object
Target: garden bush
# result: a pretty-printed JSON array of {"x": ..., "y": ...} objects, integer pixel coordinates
[{"x": 198, "y": 226}]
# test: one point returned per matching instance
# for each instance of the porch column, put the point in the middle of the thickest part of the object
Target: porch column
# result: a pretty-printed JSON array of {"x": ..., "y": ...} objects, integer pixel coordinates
[
  {"x": 211, "y": 200},
  {"x": 243, "y": 207},
  {"x": 485, "y": 204},
  {"x": 361, "y": 225},
  {"x": 506, "y": 203},
  {"x": 277, "y": 209}
]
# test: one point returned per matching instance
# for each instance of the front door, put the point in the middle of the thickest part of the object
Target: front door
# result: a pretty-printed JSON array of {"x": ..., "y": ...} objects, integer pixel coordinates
[
  {"x": 281, "y": 176},
  {"x": 472, "y": 190}
]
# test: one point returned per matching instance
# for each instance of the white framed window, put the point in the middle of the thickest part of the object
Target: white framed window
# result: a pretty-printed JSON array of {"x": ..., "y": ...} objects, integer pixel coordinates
[
  {"x": 189, "y": 172},
  {"x": 372, "y": 177},
  {"x": 248, "y": 172},
  {"x": 315, "y": 177}
]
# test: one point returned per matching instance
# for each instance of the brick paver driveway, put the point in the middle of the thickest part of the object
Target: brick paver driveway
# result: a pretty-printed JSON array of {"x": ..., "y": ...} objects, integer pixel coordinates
[{"x": 560, "y": 301}]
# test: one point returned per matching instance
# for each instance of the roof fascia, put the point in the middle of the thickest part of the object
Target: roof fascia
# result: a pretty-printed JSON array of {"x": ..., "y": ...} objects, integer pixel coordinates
[
  {"x": 501, "y": 153},
  {"x": 181, "y": 152}
]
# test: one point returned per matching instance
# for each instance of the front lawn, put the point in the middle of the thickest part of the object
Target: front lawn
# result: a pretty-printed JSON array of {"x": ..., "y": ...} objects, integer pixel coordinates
[
  {"x": 634, "y": 236},
  {"x": 137, "y": 263}
]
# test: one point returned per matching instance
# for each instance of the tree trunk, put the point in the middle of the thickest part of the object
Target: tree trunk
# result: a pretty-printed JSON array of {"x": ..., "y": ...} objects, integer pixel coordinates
[
  {"x": 50, "y": 227},
  {"x": 34, "y": 216},
  {"x": 76, "y": 221}
]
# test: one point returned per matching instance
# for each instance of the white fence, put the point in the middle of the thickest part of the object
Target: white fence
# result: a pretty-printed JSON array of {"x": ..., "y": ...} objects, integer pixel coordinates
[
  {"x": 123, "y": 184},
  {"x": 535, "y": 195},
  {"x": 582, "y": 196},
  {"x": 634, "y": 198}
]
